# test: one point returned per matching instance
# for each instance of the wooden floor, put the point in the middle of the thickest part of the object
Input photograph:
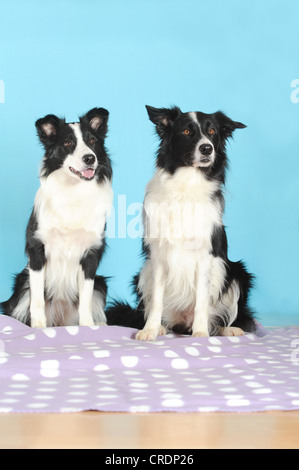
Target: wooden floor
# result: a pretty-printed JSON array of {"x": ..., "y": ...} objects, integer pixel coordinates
[{"x": 96, "y": 430}]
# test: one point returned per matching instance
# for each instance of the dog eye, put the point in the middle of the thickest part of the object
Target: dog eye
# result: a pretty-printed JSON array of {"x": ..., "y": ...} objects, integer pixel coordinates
[
  {"x": 187, "y": 131},
  {"x": 92, "y": 140},
  {"x": 211, "y": 131},
  {"x": 68, "y": 143}
]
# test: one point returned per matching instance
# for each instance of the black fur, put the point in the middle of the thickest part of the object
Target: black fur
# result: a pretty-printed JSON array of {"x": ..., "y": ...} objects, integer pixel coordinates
[
  {"x": 20, "y": 288},
  {"x": 90, "y": 261},
  {"x": 34, "y": 247}
]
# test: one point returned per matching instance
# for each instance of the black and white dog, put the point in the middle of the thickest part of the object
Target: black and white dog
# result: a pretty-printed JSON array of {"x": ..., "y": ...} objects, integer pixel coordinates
[
  {"x": 187, "y": 283},
  {"x": 65, "y": 236}
]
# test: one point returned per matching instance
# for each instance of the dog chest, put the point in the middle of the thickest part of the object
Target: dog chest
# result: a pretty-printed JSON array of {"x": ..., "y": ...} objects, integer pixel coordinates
[
  {"x": 180, "y": 209},
  {"x": 71, "y": 217}
]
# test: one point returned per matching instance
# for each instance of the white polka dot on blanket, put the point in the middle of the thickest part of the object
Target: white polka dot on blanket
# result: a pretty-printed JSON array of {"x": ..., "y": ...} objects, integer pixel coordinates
[
  {"x": 170, "y": 353},
  {"x": 138, "y": 385},
  {"x": 101, "y": 367},
  {"x": 37, "y": 406},
  {"x": 79, "y": 386},
  {"x": 129, "y": 361},
  {"x": 43, "y": 397},
  {"x": 253, "y": 384},
  {"x": 251, "y": 361},
  {"x": 179, "y": 363},
  {"x": 20, "y": 377},
  {"x": 72, "y": 330},
  {"x": 78, "y": 393},
  {"x": 234, "y": 339},
  {"x": 18, "y": 385},
  {"x": 30, "y": 337},
  {"x": 139, "y": 408},
  {"x": 50, "y": 332},
  {"x": 172, "y": 403},
  {"x": 214, "y": 340},
  {"x": 9, "y": 400},
  {"x": 49, "y": 368},
  {"x": 236, "y": 402},
  {"x": 7, "y": 330},
  {"x": 214, "y": 349},
  {"x": 223, "y": 381},
  {"x": 101, "y": 353},
  {"x": 292, "y": 394},
  {"x": 260, "y": 391},
  {"x": 207, "y": 409},
  {"x": 236, "y": 371},
  {"x": 192, "y": 351},
  {"x": 171, "y": 395}
]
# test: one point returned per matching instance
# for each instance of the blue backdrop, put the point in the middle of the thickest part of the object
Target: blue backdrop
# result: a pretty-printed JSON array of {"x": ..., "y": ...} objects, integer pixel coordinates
[{"x": 67, "y": 56}]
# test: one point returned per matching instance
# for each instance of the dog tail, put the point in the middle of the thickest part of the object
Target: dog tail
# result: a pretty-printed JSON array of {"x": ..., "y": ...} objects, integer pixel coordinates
[
  {"x": 246, "y": 316},
  {"x": 17, "y": 306},
  {"x": 122, "y": 314}
]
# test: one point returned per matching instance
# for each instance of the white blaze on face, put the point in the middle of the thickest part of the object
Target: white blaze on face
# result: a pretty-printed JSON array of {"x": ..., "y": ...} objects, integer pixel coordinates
[
  {"x": 198, "y": 156},
  {"x": 75, "y": 159}
]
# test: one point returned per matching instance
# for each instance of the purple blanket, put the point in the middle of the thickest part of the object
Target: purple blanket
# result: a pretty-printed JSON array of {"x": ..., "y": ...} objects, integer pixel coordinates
[{"x": 103, "y": 368}]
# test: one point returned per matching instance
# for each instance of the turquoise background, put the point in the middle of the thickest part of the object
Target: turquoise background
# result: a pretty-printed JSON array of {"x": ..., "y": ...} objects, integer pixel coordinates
[{"x": 65, "y": 57}]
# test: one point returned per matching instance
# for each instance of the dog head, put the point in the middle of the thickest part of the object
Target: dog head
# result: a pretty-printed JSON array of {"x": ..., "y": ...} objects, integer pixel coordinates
[
  {"x": 192, "y": 139},
  {"x": 78, "y": 148}
]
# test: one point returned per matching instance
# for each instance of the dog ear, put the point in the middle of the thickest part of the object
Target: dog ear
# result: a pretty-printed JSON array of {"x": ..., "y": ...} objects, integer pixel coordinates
[
  {"x": 226, "y": 125},
  {"x": 163, "y": 118},
  {"x": 47, "y": 128},
  {"x": 97, "y": 119}
]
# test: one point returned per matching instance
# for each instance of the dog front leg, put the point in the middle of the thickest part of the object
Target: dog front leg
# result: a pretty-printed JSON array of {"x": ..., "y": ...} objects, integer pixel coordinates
[
  {"x": 37, "y": 299},
  {"x": 89, "y": 264},
  {"x": 86, "y": 287},
  {"x": 153, "y": 324},
  {"x": 37, "y": 260},
  {"x": 200, "y": 325}
]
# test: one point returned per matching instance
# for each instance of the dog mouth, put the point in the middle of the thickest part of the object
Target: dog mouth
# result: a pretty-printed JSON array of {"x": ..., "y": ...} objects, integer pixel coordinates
[
  {"x": 203, "y": 162},
  {"x": 87, "y": 174}
]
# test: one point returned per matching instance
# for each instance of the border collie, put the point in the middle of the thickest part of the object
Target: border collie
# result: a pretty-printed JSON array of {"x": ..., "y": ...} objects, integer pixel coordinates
[
  {"x": 65, "y": 237},
  {"x": 187, "y": 283}
]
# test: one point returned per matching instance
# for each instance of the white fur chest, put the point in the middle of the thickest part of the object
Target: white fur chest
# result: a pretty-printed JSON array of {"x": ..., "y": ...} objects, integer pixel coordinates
[
  {"x": 179, "y": 209},
  {"x": 180, "y": 214},
  {"x": 71, "y": 214}
]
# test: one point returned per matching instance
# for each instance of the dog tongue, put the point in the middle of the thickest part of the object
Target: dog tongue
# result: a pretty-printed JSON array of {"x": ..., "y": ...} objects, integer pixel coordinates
[{"x": 88, "y": 173}]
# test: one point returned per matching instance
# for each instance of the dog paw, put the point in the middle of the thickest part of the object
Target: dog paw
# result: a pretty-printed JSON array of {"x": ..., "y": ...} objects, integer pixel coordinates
[
  {"x": 86, "y": 323},
  {"x": 162, "y": 331},
  {"x": 146, "y": 335},
  {"x": 38, "y": 324},
  {"x": 232, "y": 331}
]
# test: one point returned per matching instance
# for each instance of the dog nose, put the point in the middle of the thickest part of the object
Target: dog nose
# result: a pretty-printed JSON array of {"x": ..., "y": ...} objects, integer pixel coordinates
[
  {"x": 206, "y": 149},
  {"x": 89, "y": 159}
]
